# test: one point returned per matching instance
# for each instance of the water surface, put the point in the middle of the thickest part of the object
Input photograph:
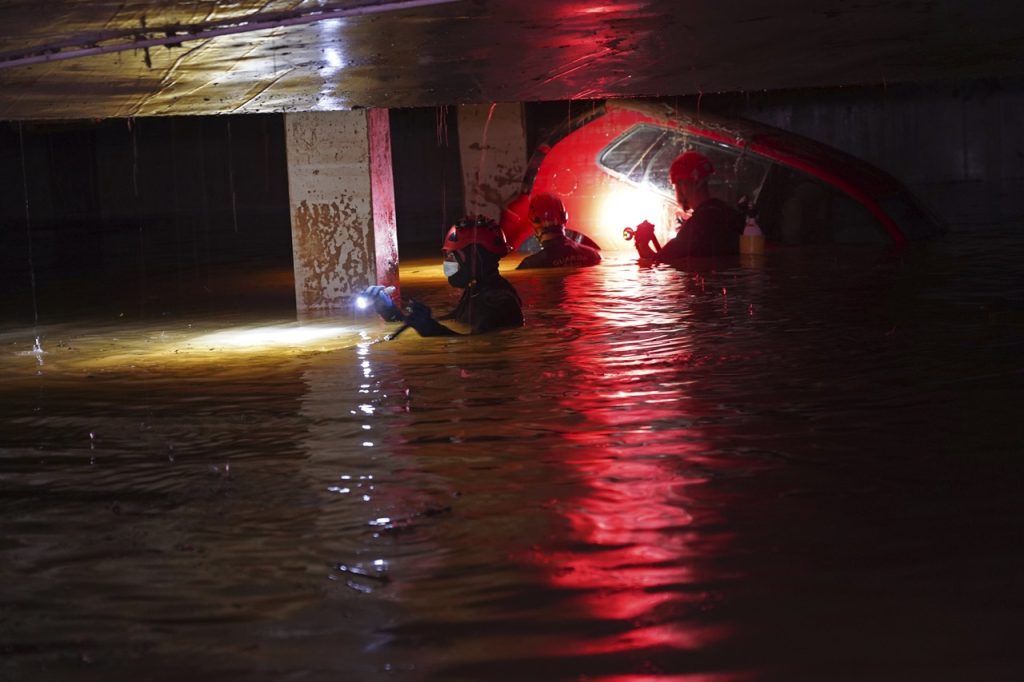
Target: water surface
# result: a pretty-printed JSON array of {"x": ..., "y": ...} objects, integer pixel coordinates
[{"x": 800, "y": 468}]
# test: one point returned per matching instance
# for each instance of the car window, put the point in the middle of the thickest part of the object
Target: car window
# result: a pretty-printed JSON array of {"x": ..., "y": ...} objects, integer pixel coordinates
[
  {"x": 672, "y": 145},
  {"x": 630, "y": 154},
  {"x": 738, "y": 174},
  {"x": 644, "y": 154}
]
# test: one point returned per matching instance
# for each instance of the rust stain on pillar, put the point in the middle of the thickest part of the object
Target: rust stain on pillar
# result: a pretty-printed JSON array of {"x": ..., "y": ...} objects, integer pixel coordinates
[{"x": 333, "y": 256}]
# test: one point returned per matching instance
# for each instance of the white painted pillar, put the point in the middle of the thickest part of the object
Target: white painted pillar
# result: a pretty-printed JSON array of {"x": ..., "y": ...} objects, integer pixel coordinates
[
  {"x": 492, "y": 146},
  {"x": 342, "y": 199}
]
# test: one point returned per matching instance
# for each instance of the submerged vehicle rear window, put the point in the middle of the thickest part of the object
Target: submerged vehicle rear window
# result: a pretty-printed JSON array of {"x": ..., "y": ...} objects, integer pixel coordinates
[
  {"x": 791, "y": 206},
  {"x": 644, "y": 154},
  {"x": 632, "y": 154}
]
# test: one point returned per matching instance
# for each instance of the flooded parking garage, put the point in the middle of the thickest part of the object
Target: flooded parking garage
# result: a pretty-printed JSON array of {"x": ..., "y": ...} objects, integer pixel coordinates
[{"x": 800, "y": 467}]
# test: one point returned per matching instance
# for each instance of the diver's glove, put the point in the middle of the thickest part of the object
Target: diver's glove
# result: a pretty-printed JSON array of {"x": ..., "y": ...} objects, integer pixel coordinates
[
  {"x": 642, "y": 237},
  {"x": 380, "y": 297},
  {"x": 418, "y": 316}
]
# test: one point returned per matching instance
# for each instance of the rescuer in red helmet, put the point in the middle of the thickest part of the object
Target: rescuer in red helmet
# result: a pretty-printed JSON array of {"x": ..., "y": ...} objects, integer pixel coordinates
[
  {"x": 548, "y": 216},
  {"x": 471, "y": 249},
  {"x": 712, "y": 230}
]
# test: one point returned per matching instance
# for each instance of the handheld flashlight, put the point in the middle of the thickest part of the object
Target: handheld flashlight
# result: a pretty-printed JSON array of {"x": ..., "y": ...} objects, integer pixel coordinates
[{"x": 363, "y": 302}]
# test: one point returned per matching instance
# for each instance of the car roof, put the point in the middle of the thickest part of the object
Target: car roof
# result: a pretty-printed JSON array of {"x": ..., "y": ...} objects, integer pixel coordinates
[{"x": 817, "y": 159}]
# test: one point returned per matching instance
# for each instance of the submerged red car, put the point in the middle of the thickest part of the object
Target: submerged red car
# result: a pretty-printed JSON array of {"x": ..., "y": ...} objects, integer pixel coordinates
[{"x": 610, "y": 168}]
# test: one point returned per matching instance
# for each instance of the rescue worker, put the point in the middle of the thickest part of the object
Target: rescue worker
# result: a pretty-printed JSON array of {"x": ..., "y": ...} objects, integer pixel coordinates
[
  {"x": 471, "y": 249},
  {"x": 714, "y": 227},
  {"x": 548, "y": 216}
]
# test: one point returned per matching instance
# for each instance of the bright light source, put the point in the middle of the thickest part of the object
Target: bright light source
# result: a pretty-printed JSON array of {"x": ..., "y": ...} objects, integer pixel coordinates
[
  {"x": 627, "y": 207},
  {"x": 362, "y": 302}
]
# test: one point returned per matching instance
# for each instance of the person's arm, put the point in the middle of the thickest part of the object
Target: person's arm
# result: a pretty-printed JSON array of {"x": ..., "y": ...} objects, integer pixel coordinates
[
  {"x": 675, "y": 248},
  {"x": 417, "y": 315},
  {"x": 642, "y": 238},
  {"x": 419, "y": 318}
]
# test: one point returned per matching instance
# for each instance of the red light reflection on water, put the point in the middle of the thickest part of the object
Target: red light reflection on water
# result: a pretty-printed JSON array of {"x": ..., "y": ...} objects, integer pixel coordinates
[
  {"x": 599, "y": 8},
  {"x": 633, "y": 526},
  {"x": 634, "y": 553}
]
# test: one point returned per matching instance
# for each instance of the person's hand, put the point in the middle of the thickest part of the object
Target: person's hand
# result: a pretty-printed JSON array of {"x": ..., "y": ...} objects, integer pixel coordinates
[
  {"x": 643, "y": 235},
  {"x": 380, "y": 298},
  {"x": 644, "y": 231},
  {"x": 418, "y": 316}
]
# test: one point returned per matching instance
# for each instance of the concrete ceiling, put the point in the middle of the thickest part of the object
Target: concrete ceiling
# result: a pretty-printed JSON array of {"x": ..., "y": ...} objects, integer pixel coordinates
[{"x": 116, "y": 58}]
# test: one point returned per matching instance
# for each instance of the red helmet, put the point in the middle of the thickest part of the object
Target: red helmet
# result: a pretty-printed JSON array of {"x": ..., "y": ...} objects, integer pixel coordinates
[
  {"x": 690, "y": 167},
  {"x": 547, "y": 209},
  {"x": 476, "y": 230}
]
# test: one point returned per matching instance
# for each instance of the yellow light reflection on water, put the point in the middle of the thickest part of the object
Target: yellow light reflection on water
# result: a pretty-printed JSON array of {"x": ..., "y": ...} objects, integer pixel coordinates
[
  {"x": 257, "y": 338},
  {"x": 203, "y": 341},
  {"x": 267, "y": 341},
  {"x": 129, "y": 348}
]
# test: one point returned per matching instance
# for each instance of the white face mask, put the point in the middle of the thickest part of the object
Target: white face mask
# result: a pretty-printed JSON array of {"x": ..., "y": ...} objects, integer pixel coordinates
[{"x": 450, "y": 268}]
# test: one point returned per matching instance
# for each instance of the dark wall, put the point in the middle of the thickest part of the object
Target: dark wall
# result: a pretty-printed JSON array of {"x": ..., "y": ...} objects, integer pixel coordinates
[
  {"x": 138, "y": 205},
  {"x": 428, "y": 176}
]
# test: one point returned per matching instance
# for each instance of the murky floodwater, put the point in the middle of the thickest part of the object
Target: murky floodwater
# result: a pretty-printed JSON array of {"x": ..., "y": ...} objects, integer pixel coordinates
[{"x": 807, "y": 469}]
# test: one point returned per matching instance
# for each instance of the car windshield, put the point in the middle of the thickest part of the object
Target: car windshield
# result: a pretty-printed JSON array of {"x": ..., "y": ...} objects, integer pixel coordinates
[
  {"x": 644, "y": 154},
  {"x": 631, "y": 155}
]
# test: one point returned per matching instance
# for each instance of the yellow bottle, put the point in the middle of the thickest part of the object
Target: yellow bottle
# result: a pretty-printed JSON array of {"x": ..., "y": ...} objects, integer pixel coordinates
[{"x": 752, "y": 239}]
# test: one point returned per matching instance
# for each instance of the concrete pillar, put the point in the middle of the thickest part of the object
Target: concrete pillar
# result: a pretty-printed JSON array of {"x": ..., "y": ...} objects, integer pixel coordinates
[
  {"x": 492, "y": 141},
  {"x": 342, "y": 199}
]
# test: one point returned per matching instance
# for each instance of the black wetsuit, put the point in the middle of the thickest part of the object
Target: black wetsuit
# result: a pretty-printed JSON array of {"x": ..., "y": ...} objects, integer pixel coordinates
[
  {"x": 560, "y": 250},
  {"x": 713, "y": 230},
  {"x": 488, "y": 304}
]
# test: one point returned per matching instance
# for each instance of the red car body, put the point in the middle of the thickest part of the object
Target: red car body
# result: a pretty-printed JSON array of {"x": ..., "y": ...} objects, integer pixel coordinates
[{"x": 610, "y": 168}]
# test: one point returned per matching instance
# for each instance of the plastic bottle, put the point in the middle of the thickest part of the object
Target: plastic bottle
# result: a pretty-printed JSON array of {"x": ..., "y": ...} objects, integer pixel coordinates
[{"x": 752, "y": 239}]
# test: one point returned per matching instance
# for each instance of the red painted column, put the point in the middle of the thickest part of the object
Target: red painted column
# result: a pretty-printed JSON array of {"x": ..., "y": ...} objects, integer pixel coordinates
[{"x": 382, "y": 194}]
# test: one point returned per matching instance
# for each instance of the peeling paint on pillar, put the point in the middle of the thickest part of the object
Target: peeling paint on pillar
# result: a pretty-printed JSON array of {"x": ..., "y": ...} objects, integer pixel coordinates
[
  {"x": 333, "y": 188},
  {"x": 493, "y": 155}
]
